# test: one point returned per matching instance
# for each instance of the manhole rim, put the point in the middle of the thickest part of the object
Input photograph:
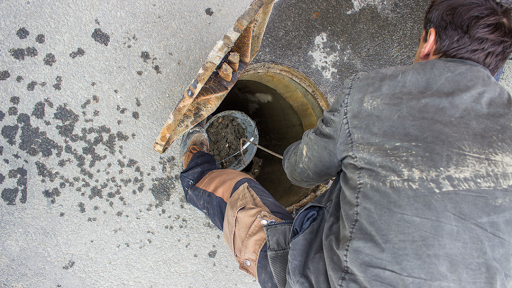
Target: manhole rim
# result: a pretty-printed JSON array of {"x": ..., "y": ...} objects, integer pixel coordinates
[{"x": 282, "y": 70}]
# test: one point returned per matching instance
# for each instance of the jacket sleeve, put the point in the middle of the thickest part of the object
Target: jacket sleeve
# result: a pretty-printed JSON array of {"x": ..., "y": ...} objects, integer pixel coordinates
[{"x": 318, "y": 156}]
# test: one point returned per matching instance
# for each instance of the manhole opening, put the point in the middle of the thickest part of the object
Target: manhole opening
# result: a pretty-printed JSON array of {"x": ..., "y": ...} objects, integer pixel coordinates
[{"x": 284, "y": 103}]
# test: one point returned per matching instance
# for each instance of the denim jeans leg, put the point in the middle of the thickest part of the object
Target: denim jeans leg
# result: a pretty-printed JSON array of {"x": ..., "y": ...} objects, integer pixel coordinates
[{"x": 200, "y": 165}]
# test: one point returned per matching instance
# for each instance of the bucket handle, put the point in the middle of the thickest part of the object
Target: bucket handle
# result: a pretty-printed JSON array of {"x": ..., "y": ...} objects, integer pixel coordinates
[{"x": 262, "y": 148}]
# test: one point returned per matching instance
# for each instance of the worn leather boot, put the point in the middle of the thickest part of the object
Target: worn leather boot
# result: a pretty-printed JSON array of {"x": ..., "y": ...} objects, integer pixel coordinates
[{"x": 194, "y": 140}]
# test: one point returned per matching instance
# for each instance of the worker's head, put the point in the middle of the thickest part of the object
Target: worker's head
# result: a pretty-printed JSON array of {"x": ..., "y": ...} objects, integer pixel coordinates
[{"x": 476, "y": 30}]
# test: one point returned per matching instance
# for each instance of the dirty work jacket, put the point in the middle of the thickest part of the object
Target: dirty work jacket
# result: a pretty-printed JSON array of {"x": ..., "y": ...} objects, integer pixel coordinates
[{"x": 422, "y": 157}]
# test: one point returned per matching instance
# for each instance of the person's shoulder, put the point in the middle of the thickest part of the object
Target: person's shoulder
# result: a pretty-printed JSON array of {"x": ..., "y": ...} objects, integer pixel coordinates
[
  {"x": 379, "y": 75},
  {"x": 437, "y": 68}
]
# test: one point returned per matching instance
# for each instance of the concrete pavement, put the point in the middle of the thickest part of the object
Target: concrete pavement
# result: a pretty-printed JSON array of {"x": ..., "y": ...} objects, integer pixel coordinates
[{"x": 86, "y": 202}]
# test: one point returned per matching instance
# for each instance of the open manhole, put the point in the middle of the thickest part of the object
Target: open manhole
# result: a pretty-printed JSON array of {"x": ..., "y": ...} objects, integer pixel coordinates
[{"x": 284, "y": 103}]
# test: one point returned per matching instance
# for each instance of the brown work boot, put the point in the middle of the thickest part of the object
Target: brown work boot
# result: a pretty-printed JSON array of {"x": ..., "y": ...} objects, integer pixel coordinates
[{"x": 194, "y": 140}]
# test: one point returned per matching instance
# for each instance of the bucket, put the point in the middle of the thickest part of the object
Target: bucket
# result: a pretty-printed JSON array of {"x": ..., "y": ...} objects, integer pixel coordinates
[{"x": 251, "y": 133}]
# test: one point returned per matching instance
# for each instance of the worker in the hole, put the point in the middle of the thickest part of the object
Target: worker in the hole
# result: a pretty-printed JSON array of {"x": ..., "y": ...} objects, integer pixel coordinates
[{"x": 422, "y": 160}]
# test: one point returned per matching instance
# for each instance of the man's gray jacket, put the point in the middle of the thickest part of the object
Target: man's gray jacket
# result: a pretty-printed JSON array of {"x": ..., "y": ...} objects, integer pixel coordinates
[{"x": 422, "y": 157}]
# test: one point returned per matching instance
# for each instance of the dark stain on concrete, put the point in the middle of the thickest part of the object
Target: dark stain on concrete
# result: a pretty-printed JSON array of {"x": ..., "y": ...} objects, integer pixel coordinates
[
  {"x": 86, "y": 173},
  {"x": 69, "y": 265},
  {"x": 40, "y": 143},
  {"x": 137, "y": 102},
  {"x": 9, "y": 133},
  {"x": 15, "y": 100},
  {"x": 40, "y": 38},
  {"x": 79, "y": 53},
  {"x": 49, "y": 59},
  {"x": 2, "y": 115},
  {"x": 62, "y": 162},
  {"x": 18, "y": 53},
  {"x": 2, "y": 178},
  {"x": 167, "y": 163},
  {"x": 80, "y": 159},
  {"x": 90, "y": 150},
  {"x": 157, "y": 69},
  {"x": 135, "y": 115},
  {"x": 38, "y": 111},
  {"x": 9, "y": 195},
  {"x": 68, "y": 119},
  {"x": 45, "y": 172},
  {"x": 31, "y": 51},
  {"x": 22, "y": 33},
  {"x": 34, "y": 141},
  {"x": 162, "y": 188},
  {"x": 140, "y": 73},
  {"x": 121, "y": 136},
  {"x": 208, "y": 11},
  {"x": 145, "y": 56},
  {"x": 4, "y": 75},
  {"x": 19, "y": 79},
  {"x": 110, "y": 143},
  {"x": 48, "y": 102},
  {"x": 131, "y": 163},
  {"x": 100, "y": 36},
  {"x": 126, "y": 182},
  {"x": 95, "y": 192},
  {"x": 81, "y": 205},
  {"x": 58, "y": 85},
  {"x": 52, "y": 194},
  {"x": 31, "y": 86},
  {"x": 91, "y": 146},
  {"x": 212, "y": 254},
  {"x": 13, "y": 111}
]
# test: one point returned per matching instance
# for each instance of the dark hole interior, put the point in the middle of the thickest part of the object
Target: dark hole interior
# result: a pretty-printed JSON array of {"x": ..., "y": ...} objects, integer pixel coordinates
[{"x": 278, "y": 124}]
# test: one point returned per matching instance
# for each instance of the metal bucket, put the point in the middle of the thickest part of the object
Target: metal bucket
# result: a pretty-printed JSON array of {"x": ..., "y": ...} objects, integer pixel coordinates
[{"x": 251, "y": 133}]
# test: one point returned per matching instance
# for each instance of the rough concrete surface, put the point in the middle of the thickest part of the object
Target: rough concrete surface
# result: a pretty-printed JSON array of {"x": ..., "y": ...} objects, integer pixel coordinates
[
  {"x": 86, "y": 87},
  {"x": 85, "y": 201}
]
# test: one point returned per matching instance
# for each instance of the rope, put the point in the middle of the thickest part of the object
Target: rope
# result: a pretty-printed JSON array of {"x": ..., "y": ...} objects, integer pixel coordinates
[{"x": 262, "y": 148}]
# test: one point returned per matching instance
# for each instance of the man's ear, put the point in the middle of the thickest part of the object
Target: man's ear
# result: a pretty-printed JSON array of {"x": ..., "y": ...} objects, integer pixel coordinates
[{"x": 427, "y": 52}]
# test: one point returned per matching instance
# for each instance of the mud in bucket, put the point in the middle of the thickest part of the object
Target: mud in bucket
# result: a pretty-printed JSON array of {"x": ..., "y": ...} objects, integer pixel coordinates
[{"x": 225, "y": 143}]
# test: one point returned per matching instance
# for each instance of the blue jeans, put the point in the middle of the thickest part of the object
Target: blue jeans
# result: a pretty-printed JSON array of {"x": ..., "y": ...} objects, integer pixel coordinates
[{"x": 215, "y": 207}]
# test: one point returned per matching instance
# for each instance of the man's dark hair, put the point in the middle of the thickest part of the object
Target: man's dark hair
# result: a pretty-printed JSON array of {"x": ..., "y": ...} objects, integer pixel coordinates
[{"x": 475, "y": 30}]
